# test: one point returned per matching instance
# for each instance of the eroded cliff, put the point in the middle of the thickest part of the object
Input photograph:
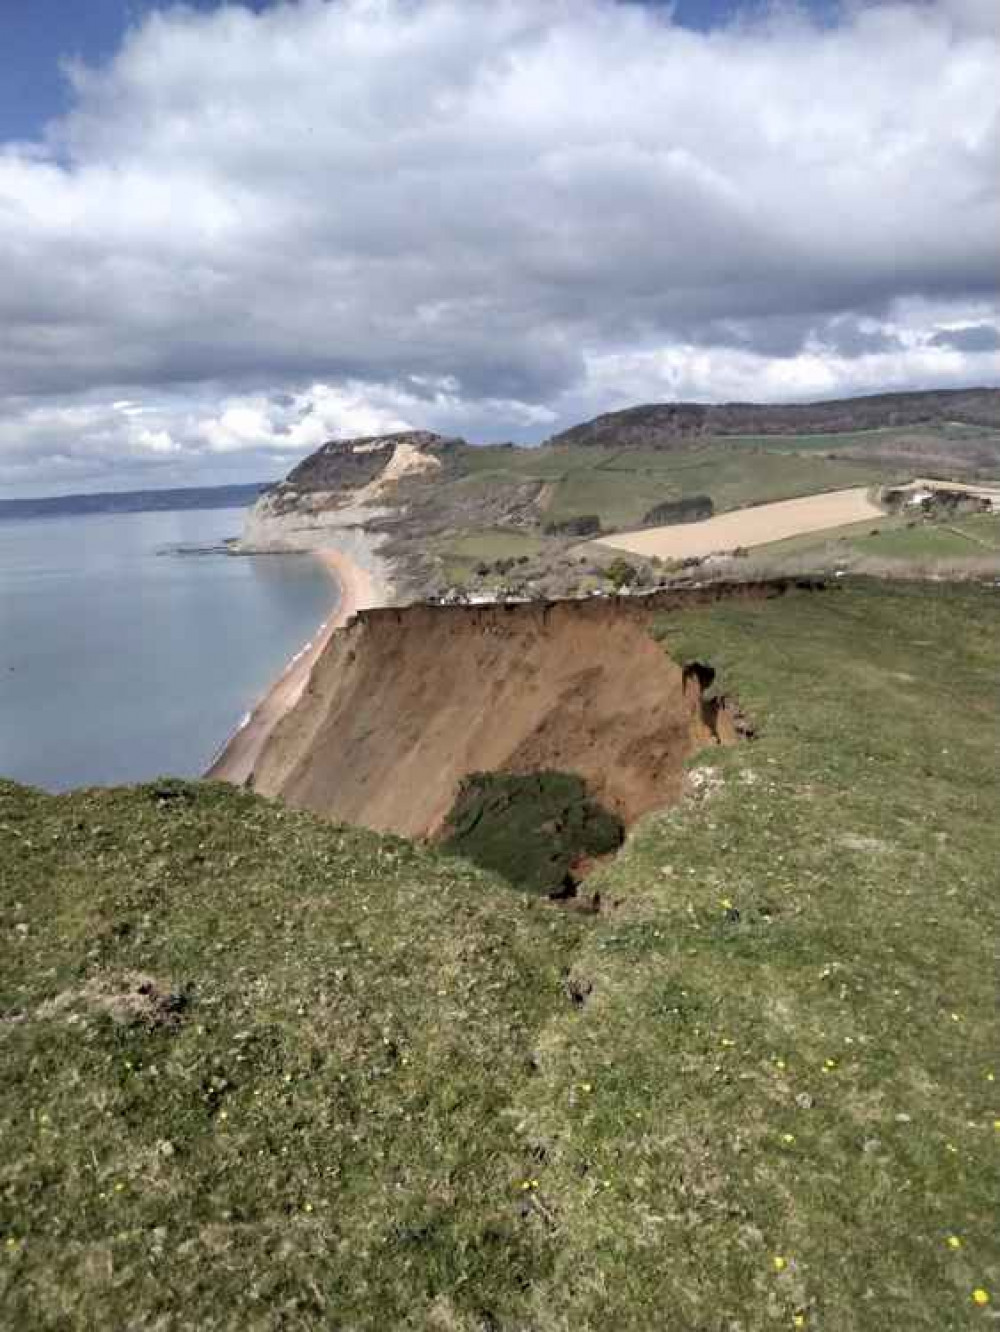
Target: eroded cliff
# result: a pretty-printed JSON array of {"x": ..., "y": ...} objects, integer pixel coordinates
[{"x": 404, "y": 703}]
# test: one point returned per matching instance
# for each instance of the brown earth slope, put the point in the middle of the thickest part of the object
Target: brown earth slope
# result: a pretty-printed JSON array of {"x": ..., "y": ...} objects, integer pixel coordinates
[{"x": 403, "y": 703}]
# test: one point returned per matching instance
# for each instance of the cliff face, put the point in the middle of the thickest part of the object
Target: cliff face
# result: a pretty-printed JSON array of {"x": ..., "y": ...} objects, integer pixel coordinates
[
  {"x": 338, "y": 497},
  {"x": 404, "y": 703}
]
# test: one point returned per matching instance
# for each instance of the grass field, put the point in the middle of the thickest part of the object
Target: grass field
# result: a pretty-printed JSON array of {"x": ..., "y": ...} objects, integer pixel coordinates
[
  {"x": 622, "y": 486},
  {"x": 368, "y": 1086},
  {"x": 925, "y": 542},
  {"x": 494, "y": 545},
  {"x": 899, "y": 541}
]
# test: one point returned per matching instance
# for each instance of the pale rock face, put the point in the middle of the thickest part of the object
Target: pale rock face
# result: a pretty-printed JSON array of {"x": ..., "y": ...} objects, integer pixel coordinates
[
  {"x": 312, "y": 526},
  {"x": 303, "y": 514}
]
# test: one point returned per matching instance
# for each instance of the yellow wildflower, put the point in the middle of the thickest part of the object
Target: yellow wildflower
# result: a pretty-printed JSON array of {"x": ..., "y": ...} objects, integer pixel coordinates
[
  {"x": 780, "y": 1263},
  {"x": 798, "y": 1320},
  {"x": 586, "y": 1086},
  {"x": 980, "y": 1296},
  {"x": 726, "y": 904},
  {"x": 954, "y": 1242}
]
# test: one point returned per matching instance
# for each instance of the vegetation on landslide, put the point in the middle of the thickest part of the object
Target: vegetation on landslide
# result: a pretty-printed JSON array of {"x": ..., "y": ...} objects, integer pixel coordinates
[
  {"x": 262, "y": 1072},
  {"x": 531, "y": 828}
]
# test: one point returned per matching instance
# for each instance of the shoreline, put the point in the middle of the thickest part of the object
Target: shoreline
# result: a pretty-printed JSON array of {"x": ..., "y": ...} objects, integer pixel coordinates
[{"x": 238, "y": 757}]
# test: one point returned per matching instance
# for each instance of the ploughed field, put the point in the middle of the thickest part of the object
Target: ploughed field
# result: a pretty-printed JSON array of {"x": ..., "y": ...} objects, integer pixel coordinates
[
  {"x": 264, "y": 1071},
  {"x": 756, "y": 526}
]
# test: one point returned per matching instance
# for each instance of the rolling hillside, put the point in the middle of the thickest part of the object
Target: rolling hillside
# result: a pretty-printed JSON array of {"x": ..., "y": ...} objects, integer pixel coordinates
[{"x": 263, "y": 1071}]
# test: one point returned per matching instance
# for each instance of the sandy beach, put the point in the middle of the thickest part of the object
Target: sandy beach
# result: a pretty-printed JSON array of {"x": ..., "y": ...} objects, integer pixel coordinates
[{"x": 357, "y": 591}]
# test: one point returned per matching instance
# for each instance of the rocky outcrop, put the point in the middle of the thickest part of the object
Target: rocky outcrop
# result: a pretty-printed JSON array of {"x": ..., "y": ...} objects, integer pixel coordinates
[{"x": 341, "y": 497}]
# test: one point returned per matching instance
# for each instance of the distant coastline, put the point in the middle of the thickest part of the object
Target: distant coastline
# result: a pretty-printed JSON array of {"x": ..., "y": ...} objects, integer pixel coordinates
[{"x": 133, "y": 501}]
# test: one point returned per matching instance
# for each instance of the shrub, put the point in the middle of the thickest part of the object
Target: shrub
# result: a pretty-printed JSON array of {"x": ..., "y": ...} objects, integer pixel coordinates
[
  {"x": 582, "y": 524},
  {"x": 530, "y": 827},
  {"x": 621, "y": 574},
  {"x": 690, "y": 509}
]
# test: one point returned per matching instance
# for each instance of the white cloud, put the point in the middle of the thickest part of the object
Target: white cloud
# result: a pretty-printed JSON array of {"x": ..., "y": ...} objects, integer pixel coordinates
[{"x": 473, "y": 215}]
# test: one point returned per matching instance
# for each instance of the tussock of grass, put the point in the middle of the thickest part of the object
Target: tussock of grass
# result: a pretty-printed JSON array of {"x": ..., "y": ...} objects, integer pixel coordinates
[{"x": 760, "y": 1090}]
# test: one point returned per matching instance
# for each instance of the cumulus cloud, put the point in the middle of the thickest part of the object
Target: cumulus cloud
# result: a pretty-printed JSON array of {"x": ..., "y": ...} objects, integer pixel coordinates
[{"x": 448, "y": 212}]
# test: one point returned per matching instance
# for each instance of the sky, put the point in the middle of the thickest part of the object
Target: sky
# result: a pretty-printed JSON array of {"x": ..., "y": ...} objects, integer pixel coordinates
[{"x": 229, "y": 232}]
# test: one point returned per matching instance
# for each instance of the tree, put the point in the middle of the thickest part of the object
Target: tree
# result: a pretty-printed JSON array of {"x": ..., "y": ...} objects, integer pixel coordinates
[{"x": 621, "y": 574}]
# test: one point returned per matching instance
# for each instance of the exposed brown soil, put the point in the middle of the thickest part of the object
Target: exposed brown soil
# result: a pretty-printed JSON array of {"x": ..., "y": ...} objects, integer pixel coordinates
[
  {"x": 129, "y": 998},
  {"x": 236, "y": 761},
  {"x": 403, "y": 703}
]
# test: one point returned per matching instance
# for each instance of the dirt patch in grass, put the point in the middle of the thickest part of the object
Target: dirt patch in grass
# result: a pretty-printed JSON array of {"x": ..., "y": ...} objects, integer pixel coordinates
[{"x": 129, "y": 998}]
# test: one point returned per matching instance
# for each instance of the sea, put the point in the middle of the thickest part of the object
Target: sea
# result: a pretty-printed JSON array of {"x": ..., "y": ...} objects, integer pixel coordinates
[{"x": 132, "y": 645}]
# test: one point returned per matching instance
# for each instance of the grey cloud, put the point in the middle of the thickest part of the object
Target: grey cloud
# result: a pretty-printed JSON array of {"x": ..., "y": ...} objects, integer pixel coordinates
[
  {"x": 969, "y": 338},
  {"x": 500, "y": 197}
]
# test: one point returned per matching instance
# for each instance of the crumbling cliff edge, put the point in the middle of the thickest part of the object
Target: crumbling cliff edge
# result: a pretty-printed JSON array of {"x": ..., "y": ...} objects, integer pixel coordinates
[{"x": 402, "y": 703}]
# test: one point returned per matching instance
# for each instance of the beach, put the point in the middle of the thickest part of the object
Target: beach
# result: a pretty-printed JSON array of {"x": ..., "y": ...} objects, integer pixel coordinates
[{"x": 357, "y": 591}]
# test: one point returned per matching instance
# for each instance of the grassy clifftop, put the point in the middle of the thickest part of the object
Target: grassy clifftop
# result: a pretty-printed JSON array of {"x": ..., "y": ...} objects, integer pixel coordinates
[{"x": 262, "y": 1071}]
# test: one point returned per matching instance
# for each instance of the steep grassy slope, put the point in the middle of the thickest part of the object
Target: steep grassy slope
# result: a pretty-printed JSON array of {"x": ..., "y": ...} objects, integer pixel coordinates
[
  {"x": 370, "y": 1087},
  {"x": 309, "y": 1124}
]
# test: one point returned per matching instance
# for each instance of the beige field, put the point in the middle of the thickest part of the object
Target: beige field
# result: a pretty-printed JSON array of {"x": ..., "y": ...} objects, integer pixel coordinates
[{"x": 755, "y": 526}]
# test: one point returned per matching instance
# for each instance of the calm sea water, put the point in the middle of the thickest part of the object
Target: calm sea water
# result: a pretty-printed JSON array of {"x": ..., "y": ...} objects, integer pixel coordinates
[{"x": 119, "y": 662}]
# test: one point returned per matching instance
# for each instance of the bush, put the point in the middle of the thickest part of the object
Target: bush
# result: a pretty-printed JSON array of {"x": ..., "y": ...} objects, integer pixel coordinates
[
  {"x": 582, "y": 524},
  {"x": 690, "y": 509},
  {"x": 621, "y": 574},
  {"x": 530, "y": 827}
]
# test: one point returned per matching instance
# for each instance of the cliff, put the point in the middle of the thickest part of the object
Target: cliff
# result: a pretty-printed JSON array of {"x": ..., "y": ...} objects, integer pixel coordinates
[
  {"x": 404, "y": 703},
  {"x": 340, "y": 497}
]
